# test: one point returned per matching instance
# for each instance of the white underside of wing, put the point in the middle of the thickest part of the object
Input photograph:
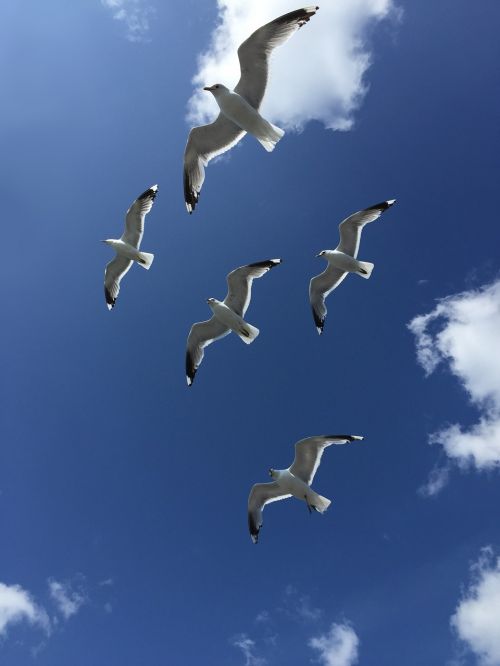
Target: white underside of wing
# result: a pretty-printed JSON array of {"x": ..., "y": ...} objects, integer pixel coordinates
[
  {"x": 114, "y": 273},
  {"x": 200, "y": 336},
  {"x": 319, "y": 288}
]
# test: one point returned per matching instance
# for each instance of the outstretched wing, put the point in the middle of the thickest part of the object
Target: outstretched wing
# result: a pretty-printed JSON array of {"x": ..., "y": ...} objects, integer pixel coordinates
[
  {"x": 319, "y": 288},
  {"x": 239, "y": 283},
  {"x": 200, "y": 336},
  {"x": 308, "y": 453},
  {"x": 204, "y": 143},
  {"x": 260, "y": 495},
  {"x": 350, "y": 228},
  {"x": 115, "y": 270},
  {"x": 136, "y": 214},
  {"x": 255, "y": 51}
]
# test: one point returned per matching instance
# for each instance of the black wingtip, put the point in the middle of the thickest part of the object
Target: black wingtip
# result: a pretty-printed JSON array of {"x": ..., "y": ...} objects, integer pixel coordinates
[
  {"x": 110, "y": 301},
  {"x": 190, "y": 370},
  {"x": 350, "y": 438},
  {"x": 299, "y": 16},
  {"x": 150, "y": 193},
  {"x": 267, "y": 263},
  {"x": 190, "y": 196},
  {"x": 383, "y": 205},
  {"x": 319, "y": 321}
]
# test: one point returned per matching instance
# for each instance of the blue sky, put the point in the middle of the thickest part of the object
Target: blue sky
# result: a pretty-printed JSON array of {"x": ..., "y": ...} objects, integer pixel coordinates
[{"x": 122, "y": 492}]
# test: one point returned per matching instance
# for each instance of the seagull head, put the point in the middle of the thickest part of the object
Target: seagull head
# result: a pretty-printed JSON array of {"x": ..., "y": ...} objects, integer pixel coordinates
[
  {"x": 272, "y": 473},
  {"x": 321, "y": 254},
  {"x": 217, "y": 89},
  {"x": 211, "y": 301},
  {"x": 107, "y": 241}
]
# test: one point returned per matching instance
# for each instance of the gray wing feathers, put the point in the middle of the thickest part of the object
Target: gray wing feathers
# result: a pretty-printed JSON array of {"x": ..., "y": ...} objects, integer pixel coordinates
[
  {"x": 350, "y": 228},
  {"x": 254, "y": 52},
  {"x": 200, "y": 336},
  {"x": 136, "y": 214},
  {"x": 204, "y": 143},
  {"x": 239, "y": 283},
  {"x": 319, "y": 288},
  {"x": 308, "y": 453},
  {"x": 113, "y": 274},
  {"x": 260, "y": 495}
]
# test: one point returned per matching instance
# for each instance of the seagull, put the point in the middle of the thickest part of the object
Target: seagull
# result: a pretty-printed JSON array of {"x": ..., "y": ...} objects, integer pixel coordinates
[
  {"x": 127, "y": 247},
  {"x": 296, "y": 480},
  {"x": 343, "y": 260},
  {"x": 228, "y": 315},
  {"x": 239, "y": 109}
]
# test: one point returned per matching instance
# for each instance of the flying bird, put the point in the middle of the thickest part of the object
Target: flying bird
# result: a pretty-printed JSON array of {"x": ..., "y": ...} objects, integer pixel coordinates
[
  {"x": 296, "y": 480},
  {"x": 342, "y": 260},
  {"x": 227, "y": 315},
  {"x": 239, "y": 109},
  {"x": 127, "y": 247}
]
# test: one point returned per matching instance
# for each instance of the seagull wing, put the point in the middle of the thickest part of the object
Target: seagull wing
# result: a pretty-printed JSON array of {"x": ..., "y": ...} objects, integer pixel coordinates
[
  {"x": 113, "y": 275},
  {"x": 136, "y": 214},
  {"x": 239, "y": 283},
  {"x": 255, "y": 51},
  {"x": 308, "y": 454},
  {"x": 260, "y": 495},
  {"x": 204, "y": 143},
  {"x": 200, "y": 336},
  {"x": 350, "y": 228},
  {"x": 319, "y": 288}
]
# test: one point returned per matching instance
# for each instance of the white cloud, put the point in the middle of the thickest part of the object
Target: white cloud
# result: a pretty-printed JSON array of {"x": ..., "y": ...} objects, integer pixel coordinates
[
  {"x": 247, "y": 646},
  {"x": 298, "y": 606},
  {"x": 17, "y": 605},
  {"x": 437, "y": 480},
  {"x": 135, "y": 14},
  {"x": 317, "y": 75},
  {"x": 463, "y": 331},
  {"x": 339, "y": 647},
  {"x": 477, "y": 617},
  {"x": 68, "y": 601}
]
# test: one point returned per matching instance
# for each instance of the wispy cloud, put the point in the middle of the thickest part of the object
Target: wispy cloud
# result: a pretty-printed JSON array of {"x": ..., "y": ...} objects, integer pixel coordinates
[
  {"x": 247, "y": 646},
  {"x": 134, "y": 14},
  {"x": 288, "y": 626},
  {"x": 477, "y": 617},
  {"x": 318, "y": 75},
  {"x": 462, "y": 331},
  {"x": 339, "y": 647},
  {"x": 298, "y": 606},
  {"x": 17, "y": 605},
  {"x": 68, "y": 600}
]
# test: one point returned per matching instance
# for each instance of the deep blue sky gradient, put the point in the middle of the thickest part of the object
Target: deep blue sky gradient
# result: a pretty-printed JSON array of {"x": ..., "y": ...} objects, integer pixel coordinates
[{"x": 110, "y": 467}]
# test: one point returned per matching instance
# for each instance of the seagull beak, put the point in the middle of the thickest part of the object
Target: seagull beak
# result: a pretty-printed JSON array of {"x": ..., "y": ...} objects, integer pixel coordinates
[
  {"x": 318, "y": 255},
  {"x": 209, "y": 88}
]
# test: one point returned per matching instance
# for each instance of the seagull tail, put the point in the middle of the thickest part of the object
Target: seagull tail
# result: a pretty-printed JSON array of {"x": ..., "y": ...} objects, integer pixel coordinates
[
  {"x": 270, "y": 137},
  {"x": 145, "y": 260},
  {"x": 365, "y": 269},
  {"x": 319, "y": 503},
  {"x": 247, "y": 332}
]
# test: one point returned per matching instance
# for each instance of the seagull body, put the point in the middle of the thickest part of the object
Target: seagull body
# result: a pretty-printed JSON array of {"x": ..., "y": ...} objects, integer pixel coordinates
[
  {"x": 127, "y": 247},
  {"x": 343, "y": 260},
  {"x": 294, "y": 481},
  {"x": 239, "y": 108},
  {"x": 227, "y": 315},
  {"x": 231, "y": 320}
]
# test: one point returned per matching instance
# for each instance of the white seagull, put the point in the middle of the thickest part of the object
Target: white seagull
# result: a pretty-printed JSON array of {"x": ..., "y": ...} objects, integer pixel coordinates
[
  {"x": 127, "y": 247},
  {"x": 228, "y": 315},
  {"x": 239, "y": 109},
  {"x": 296, "y": 480},
  {"x": 343, "y": 260}
]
